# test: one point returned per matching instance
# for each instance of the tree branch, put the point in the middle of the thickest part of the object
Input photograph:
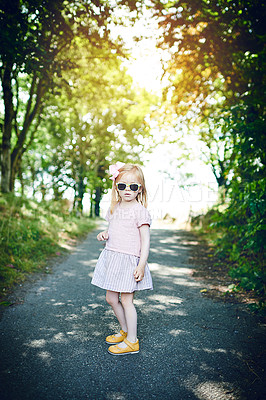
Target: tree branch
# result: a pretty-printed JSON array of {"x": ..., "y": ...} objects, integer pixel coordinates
[
  {"x": 17, "y": 107},
  {"x": 31, "y": 94}
]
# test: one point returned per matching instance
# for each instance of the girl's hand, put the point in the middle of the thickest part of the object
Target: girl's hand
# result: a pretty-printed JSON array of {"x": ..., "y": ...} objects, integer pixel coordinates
[
  {"x": 102, "y": 236},
  {"x": 139, "y": 273}
]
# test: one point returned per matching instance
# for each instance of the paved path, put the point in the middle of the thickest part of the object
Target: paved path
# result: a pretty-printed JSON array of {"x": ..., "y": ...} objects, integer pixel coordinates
[{"x": 53, "y": 348}]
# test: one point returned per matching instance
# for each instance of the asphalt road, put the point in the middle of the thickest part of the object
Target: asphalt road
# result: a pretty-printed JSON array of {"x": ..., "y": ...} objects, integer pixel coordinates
[{"x": 53, "y": 344}]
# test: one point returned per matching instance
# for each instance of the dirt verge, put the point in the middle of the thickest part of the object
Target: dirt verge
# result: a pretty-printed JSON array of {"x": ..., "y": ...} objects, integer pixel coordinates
[{"x": 215, "y": 275}]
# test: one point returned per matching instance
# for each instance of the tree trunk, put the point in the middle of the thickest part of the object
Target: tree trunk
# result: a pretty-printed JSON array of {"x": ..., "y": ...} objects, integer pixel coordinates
[
  {"x": 20, "y": 175},
  {"x": 81, "y": 190},
  {"x": 56, "y": 194},
  {"x": 31, "y": 113},
  {"x": 33, "y": 178},
  {"x": 92, "y": 205},
  {"x": 7, "y": 131},
  {"x": 98, "y": 196}
]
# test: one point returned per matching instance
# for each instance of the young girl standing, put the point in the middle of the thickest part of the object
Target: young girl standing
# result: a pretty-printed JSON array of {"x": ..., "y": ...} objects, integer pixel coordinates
[{"x": 122, "y": 266}]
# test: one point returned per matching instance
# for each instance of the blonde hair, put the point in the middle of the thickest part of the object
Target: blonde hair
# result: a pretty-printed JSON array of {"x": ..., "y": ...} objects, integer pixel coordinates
[{"x": 134, "y": 169}]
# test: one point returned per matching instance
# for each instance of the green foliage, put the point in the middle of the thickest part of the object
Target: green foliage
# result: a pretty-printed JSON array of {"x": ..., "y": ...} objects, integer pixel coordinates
[
  {"x": 243, "y": 239},
  {"x": 37, "y": 43},
  {"x": 89, "y": 112},
  {"x": 245, "y": 216},
  {"x": 238, "y": 233},
  {"x": 217, "y": 81},
  {"x": 210, "y": 40},
  {"x": 249, "y": 277},
  {"x": 30, "y": 232},
  {"x": 217, "y": 78},
  {"x": 96, "y": 118}
]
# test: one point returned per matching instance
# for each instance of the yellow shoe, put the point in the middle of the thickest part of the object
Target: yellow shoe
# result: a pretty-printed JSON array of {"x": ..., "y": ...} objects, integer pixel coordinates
[
  {"x": 112, "y": 339},
  {"x": 131, "y": 348}
]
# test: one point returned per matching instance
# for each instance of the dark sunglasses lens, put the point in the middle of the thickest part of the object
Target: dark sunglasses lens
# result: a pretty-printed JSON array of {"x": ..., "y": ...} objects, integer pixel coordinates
[
  {"x": 134, "y": 187},
  {"x": 121, "y": 186}
]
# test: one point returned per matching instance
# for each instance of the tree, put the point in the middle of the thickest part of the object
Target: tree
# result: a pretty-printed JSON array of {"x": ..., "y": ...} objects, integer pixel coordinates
[
  {"x": 218, "y": 47},
  {"x": 95, "y": 116},
  {"x": 35, "y": 36},
  {"x": 208, "y": 38},
  {"x": 218, "y": 61}
]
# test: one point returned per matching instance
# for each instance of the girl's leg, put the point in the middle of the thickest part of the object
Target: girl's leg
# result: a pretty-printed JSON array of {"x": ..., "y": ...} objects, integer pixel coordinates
[
  {"x": 131, "y": 316},
  {"x": 112, "y": 298}
]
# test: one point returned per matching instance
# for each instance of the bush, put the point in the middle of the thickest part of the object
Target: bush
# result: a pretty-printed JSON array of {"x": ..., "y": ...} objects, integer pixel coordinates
[
  {"x": 30, "y": 232},
  {"x": 239, "y": 234}
]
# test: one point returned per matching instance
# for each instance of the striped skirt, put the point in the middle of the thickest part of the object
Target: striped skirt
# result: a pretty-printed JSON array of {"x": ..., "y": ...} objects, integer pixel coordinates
[{"x": 114, "y": 271}]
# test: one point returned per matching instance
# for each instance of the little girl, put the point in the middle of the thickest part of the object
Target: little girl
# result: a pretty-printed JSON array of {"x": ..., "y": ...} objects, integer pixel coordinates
[{"x": 122, "y": 266}]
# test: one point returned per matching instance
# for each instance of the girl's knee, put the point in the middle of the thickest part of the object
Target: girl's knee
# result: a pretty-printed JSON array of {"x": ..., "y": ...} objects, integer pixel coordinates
[
  {"x": 112, "y": 298},
  {"x": 127, "y": 299}
]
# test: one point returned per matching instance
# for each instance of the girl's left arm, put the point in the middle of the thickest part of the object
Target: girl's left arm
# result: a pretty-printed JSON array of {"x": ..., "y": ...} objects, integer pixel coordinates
[{"x": 145, "y": 248}]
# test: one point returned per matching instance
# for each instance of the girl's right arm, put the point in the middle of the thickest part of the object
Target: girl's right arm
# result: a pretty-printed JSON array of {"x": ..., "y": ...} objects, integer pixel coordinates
[{"x": 103, "y": 236}]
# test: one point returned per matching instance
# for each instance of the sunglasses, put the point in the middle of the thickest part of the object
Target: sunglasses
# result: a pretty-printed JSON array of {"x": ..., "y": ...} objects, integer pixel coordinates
[{"x": 133, "y": 186}]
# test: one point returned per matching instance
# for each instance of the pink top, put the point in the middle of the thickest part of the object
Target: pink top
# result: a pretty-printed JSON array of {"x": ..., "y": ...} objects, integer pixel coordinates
[{"x": 123, "y": 231}]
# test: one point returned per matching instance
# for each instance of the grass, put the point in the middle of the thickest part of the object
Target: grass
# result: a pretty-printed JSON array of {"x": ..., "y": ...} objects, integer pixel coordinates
[{"x": 31, "y": 233}]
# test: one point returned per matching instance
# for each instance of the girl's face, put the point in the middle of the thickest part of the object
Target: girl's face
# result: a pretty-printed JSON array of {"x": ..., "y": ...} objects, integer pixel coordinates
[{"x": 128, "y": 195}]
